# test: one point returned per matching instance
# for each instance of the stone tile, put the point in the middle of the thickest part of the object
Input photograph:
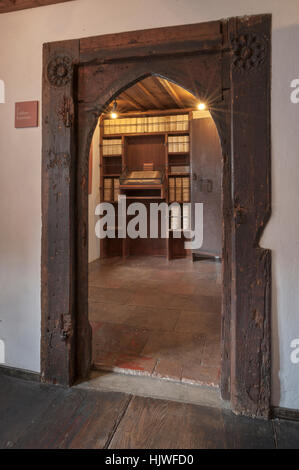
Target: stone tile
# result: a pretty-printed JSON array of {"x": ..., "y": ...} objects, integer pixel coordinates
[
  {"x": 96, "y": 279},
  {"x": 151, "y": 298},
  {"x": 202, "y": 322},
  {"x": 125, "y": 363},
  {"x": 101, "y": 294},
  {"x": 114, "y": 338},
  {"x": 95, "y": 326},
  {"x": 182, "y": 347},
  {"x": 167, "y": 369},
  {"x": 110, "y": 312},
  {"x": 156, "y": 316},
  {"x": 163, "y": 275},
  {"x": 170, "y": 286},
  {"x": 153, "y": 318},
  {"x": 201, "y": 375},
  {"x": 206, "y": 287},
  {"x": 212, "y": 353},
  {"x": 197, "y": 303}
]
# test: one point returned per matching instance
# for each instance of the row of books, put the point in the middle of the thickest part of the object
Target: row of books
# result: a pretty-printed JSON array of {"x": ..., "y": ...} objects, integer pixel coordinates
[
  {"x": 135, "y": 125},
  {"x": 178, "y": 143},
  {"x": 175, "y": 169},
  {"x": 112, "y": 147},
  {"x": 180, "y": 219},
  {"x": 179, "y": 189},
  {"x": 111, "y": 189}
]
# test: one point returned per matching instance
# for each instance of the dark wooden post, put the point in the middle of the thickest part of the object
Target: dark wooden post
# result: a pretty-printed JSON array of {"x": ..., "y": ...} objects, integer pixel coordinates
[
  {"x": 58, "y": 230},
  {"x": 251, "y": 267}
]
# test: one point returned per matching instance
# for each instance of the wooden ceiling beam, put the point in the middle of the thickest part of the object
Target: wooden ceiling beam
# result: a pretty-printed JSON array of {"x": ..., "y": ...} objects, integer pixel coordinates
[
  {"x": 154, "y": 112},
  {"x": 150, "y": 96},
  {"x": 169, "y": 88},
  {"x": 7, "y": 6},
  {"x": 132, "y": 101}
]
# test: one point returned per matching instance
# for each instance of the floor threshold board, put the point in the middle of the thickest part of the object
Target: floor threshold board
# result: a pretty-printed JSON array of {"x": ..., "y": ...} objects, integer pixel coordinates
[
  {"x": 144, "y": 373},
  {"x": 154, "y": 388}
]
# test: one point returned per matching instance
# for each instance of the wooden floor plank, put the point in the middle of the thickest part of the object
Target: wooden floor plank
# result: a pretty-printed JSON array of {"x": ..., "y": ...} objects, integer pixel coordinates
[
  {"x": 39, "y": 416},
  {"x": 159, "y": 424},
  {"x": 287, "y": 434},
  {"x": 79, "y": 420},
  {"x": 241, "y": 432},
  {"x": 22, "y": 403}
]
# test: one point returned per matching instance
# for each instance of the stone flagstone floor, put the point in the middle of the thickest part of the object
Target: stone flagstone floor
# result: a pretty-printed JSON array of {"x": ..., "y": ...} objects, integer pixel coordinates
[{"x": 158, "y": 318}]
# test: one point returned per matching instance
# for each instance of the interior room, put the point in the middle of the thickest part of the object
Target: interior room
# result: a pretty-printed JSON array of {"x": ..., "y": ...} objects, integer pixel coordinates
[{"x": 155, "y": 306}]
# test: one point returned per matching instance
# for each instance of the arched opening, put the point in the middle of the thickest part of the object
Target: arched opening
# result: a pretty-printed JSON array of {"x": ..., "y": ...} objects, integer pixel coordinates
[
  {"x": 198, "y": 57},
  {"x": 155, "y": 305}
]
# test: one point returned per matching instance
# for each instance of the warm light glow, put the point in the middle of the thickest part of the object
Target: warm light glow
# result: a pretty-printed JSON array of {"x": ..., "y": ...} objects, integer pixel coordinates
[
  {"x": 113, "y": 110},
  {"x": 201, "y": 106}
]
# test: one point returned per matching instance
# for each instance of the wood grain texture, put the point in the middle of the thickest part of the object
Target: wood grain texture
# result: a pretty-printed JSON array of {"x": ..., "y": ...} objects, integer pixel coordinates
[
  {"x": 159, "y": 424},
  {"x": 58, "y": 249},
  {"x": 41, "y": 416},
  {"x": 78, "y": 419},
  {"x": 251, "y": 308},
  {"x": 286, "y": 434},
  {"x": 151, "y": 42},
  {"x": 7, "y": 6},
  {"x": 228, "y": 64},
  {"x": 21, "y": 403}
]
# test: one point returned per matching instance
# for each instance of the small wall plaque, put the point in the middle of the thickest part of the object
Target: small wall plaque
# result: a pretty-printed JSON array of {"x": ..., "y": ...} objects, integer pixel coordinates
[{"x": 26, "y": 114}]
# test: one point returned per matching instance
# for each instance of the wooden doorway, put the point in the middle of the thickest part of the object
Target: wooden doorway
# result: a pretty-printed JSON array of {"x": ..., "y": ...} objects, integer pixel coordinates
[{"x": 227, "y": 63}]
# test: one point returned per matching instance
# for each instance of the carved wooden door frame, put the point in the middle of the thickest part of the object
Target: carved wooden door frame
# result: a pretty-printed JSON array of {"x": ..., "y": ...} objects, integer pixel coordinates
[{"x": 227, "y": 62}]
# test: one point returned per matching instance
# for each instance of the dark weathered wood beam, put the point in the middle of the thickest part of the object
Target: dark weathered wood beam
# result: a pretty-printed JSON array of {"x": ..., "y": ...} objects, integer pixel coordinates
[{"x": 7, "y": 6}]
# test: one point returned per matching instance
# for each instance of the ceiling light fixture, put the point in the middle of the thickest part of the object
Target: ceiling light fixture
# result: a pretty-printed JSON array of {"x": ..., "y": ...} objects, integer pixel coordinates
[
  {"x": 201, "y": 106},
  {"x": 114, "y": 109}
]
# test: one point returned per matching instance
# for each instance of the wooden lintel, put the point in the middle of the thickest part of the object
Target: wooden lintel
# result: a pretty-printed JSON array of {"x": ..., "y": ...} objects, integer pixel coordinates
[{"x": 8, "y": 6}]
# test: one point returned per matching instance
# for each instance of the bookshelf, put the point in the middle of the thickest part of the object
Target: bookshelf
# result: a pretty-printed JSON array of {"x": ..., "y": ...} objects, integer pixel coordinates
[{"x": 135, "y": 141}]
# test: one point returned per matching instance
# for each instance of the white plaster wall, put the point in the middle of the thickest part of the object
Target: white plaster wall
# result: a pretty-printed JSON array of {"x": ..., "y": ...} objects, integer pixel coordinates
[
  {"x": 21, "y": 37},
  {"x": 94, "y": 199}
]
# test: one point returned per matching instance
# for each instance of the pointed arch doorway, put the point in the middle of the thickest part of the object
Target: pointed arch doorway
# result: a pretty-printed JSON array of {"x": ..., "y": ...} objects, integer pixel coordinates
[{"x": 228, "y": 64}]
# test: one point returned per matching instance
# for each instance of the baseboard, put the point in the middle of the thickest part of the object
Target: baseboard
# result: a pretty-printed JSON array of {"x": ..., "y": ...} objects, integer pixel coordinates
[
  {"x": 20, "y": 373},
  {"x": 285, "y": 413}
]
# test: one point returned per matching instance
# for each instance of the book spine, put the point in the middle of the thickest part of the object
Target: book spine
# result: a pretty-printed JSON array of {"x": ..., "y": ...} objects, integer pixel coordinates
[
  {"x": 171, "y": 188},
  {"x": 186, "y": 189},
  {"x": 116, "y": 188},
  {"x": 107, "y": 189},
  {"x": 178, "y": 189}
]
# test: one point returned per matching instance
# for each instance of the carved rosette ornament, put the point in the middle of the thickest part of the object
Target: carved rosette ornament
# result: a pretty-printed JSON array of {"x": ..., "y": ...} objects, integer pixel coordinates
[
  {"x": 249, "y": 52},
  {"x": 60, "y": 71}
]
